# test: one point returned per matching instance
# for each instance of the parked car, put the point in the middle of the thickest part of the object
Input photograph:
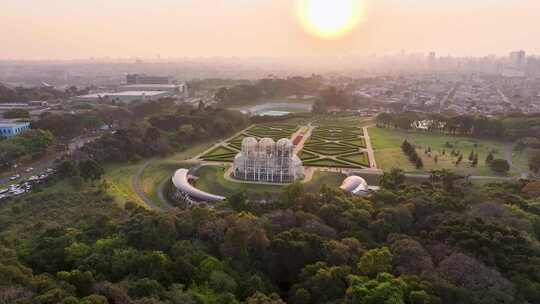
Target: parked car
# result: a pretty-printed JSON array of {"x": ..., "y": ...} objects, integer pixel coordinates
[
  {"x": 14, "y": 177},
  {"x": 29, "y": 169},
  {"x": 19, "y": 192},
  {"x": 2, "y": 191}
]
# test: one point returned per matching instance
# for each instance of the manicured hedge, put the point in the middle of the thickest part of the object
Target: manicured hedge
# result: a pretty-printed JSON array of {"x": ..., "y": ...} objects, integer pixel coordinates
[{"x": 326, "y": 162}]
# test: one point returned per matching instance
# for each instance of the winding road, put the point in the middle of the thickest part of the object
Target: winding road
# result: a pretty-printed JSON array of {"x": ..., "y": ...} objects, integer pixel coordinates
[{"x": 136, "y": 184}]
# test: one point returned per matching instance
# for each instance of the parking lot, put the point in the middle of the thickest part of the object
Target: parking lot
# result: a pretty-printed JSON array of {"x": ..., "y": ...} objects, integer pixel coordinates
[{"x": 25, "y": 186}]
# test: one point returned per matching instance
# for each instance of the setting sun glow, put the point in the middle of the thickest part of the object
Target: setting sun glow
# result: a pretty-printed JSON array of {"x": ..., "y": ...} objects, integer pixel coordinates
[{"x": 329, "y": 19}]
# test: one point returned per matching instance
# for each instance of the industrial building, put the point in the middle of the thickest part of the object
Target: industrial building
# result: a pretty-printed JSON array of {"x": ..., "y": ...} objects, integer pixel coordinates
[
  {"x": 267, "y": 161},
  {"x": 124, "y": 97},
  {"x": 171, "y": 88},
  {"x": 147, "y": 79},
  {"x": 10, "y": 129}
]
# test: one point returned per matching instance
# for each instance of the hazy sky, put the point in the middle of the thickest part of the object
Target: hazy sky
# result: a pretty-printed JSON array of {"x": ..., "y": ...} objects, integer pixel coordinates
[{"x": 56, "y": 29}]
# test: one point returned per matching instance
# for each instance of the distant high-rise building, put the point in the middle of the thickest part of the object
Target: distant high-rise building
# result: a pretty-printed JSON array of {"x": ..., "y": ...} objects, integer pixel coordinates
[
  {"x": 146, "y": 79},
  {"x": 517, "y": 59}
]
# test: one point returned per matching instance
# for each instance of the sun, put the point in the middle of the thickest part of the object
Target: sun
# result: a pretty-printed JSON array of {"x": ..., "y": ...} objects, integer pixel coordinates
[{"x": 329, "y": 19}]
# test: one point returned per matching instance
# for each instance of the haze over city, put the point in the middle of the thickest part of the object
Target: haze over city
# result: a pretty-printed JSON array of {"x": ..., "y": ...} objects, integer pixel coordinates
[
  {"x": 62, "y": 29},
  {"x": 270, "y": 151}
]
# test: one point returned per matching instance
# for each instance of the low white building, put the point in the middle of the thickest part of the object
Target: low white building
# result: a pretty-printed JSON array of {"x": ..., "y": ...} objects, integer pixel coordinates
[
  {"x": 171, "y": 88},
  {"x": 124, "y": 97}
]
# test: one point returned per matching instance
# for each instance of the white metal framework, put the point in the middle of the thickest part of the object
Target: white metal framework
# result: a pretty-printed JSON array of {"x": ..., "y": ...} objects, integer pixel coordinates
[
  {"x": 267, "y": 161},
  {"x": 185, "y": 192}
]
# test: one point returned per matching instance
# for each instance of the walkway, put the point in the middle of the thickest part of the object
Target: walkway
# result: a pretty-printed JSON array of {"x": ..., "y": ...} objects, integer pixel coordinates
[
  {"x": 369, "y": 149},
  {"x": 306, "y": 135}
]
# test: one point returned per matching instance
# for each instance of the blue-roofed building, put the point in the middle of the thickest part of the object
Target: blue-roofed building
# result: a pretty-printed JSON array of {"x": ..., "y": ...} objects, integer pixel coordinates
[{"x": 11, "y": 129}]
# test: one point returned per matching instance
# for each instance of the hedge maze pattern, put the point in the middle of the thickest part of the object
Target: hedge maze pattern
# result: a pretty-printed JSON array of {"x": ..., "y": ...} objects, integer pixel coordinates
[
  {"x": 338, "y": 146},
  {"x": 227, "y": 152}
]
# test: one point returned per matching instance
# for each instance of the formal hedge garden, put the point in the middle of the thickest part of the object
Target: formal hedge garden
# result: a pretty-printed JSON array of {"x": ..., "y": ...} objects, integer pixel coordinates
[
  {"x": 336, "y": 145},
  {"x": 227, "y": 151}
]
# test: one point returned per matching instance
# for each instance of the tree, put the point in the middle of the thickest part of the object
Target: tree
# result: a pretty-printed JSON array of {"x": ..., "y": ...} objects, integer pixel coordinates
[
  {"x": 534, "y": 162},
  {"x": 323, "y": 283},
  {"x": 392, "y": 180},
  {"x": 500, "y": 166},
  {"x": 471, "y": 156},
  {"x": 152, "y": 135},
  {"x": 222, "y": 95},
  {"x": 91, "y": 170},
  {"x": 16, "y": 113},
  {"x": 259, "y": 298},
  {"x": 490, "y": 158},
  {"x": 238, "y": 201},
  {"x": 474, "y": 163},
  {"x": 144, "y": 288},
  {"x": 484, "y": 285},
  {"x": 375, "y": 261},
  {"x": 34, "y": 141},
  {"x": 66, "y": 168},
  {"x": 83, "y": 281},
  {"x": 419, "y": 163},
  {"x": 384, "y": 289}
]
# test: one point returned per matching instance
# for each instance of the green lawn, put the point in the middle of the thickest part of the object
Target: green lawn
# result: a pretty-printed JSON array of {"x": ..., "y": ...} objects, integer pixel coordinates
[
  {"x": 212, "y": 180},
  {"x": 161, "y": 170},
  {"x": 320, "y": 178},
  {"x": 119, "y": 177},
  {"x": 388, "y": 154}
]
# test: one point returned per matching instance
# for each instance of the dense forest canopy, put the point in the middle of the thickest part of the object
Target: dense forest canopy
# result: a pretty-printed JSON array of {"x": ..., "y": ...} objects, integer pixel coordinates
[
  {"x": 511, "y": 127},
  {"x": 443, "y": 241},
  {"x": 269, "y": 88},
  {"x": 23, "y": 94}
]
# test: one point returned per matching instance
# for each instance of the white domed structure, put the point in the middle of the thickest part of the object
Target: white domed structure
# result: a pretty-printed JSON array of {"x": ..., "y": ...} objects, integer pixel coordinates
[
  {"x": 355, "y": 185},
  {"x": 267, "y": 161},
  {"x": 250, "y": 145}
]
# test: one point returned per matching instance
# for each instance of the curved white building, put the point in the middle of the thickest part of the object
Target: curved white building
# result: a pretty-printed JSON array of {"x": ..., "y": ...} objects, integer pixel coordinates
[
  {"x": 185, "y": 192},
  {"x": 355, "y": 185},
  {"x": 267, "y": 161}
]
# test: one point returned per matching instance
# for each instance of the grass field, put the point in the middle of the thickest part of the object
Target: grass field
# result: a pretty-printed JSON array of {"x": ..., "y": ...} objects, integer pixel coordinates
[
  {"x": 212, "y": 179},
  {"x": 161, "y": 170},
  {"x": 320, "y": 178},
  {"x": 119, "y": 177},
  {"x": 387, "y": 146}
]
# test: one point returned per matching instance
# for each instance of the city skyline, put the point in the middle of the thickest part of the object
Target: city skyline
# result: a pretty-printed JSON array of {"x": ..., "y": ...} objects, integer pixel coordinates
[{"x": 176, "y": 29}]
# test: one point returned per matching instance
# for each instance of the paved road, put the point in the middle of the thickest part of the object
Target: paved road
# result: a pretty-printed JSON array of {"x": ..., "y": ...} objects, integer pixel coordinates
[
  {"x": 136, "y": 184},
  {"x": 46, "y": 161}
]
